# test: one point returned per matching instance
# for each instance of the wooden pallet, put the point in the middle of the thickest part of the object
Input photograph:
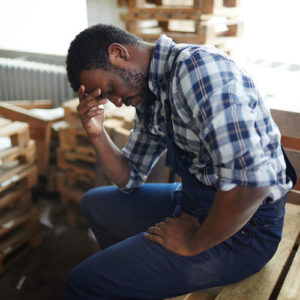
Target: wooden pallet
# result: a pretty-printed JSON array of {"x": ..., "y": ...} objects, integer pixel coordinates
[
  {"x": 14, "y": 218},
  {"x": 79, "y": 167},
  {"x": 216, "y": 32},
  {"x": 289, "y": 125},
  {"x": 25, "y": 154},
  {"x": 70, "y": 196},
  {"x": 18, "y": 196},
  {"x": 24, "y": 172},
  {"x": 40, "y": 130},
  {"x": 279, "y": 279},
  {"x": 71, "y": 138},
  {"x": 203, "y": 6},
  {"x": 69, "y": 179},
  {"x": 74, "y": 216},
  {"x": 17, "y": 244}
]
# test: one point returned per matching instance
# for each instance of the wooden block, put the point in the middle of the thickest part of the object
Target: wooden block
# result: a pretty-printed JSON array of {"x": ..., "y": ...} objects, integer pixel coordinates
[{"x": 18, "y": 132}]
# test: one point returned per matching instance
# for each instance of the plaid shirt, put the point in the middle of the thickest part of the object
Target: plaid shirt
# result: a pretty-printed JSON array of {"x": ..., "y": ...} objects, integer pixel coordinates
[{"x": 224, "y": 132}]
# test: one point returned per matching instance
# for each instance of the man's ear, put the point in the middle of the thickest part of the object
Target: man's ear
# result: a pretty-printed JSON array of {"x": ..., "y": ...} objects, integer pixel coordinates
[{"x": 118, "y": 54}]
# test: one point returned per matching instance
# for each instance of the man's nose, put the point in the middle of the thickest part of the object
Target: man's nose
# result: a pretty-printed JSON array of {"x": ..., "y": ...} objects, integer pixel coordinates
[{"x": 116, "y": 100}]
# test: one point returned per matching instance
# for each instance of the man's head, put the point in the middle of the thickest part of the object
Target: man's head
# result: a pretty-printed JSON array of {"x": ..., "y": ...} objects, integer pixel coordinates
[
  {"x": 89, "y": 50},
  {"x": 109, "y": 58}
]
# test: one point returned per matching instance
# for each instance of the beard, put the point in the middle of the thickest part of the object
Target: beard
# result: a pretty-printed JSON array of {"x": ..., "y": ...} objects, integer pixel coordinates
[{"x": 135, "y": 80}]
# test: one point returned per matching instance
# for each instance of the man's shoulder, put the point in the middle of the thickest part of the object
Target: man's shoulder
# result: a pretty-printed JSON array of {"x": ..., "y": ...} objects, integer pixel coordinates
[{"x": 197, "y": 56}]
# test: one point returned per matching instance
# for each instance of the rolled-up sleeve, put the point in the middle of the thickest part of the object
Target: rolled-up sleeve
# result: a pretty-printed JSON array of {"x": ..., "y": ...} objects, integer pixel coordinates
[{"x": 142, "y": 151}]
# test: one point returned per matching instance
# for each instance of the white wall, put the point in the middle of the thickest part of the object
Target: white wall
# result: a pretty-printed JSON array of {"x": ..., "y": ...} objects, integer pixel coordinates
[
  {"x": 43, "y": 26},
  {"x": 271, "y": 30}
]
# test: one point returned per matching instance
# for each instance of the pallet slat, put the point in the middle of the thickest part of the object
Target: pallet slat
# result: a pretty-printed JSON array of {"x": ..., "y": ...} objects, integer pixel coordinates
[
  {"x": 17, "y": 131},
  {"x": 27, "y": 172},
  {"x": 291, "y": 286}
]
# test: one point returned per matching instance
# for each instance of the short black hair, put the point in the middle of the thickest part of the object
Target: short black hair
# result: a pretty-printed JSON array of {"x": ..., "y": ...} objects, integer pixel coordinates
[{"x": 89, "y": 49}]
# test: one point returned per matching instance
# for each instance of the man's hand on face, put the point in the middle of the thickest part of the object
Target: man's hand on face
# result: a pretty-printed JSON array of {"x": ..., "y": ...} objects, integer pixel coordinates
[
  {"x": 91, "y": 111},
  {"x": 175, "y": 234}
]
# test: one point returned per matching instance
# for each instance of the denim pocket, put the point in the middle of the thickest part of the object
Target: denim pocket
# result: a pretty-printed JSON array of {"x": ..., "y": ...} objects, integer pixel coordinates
[{"x": 243, "y": 237}]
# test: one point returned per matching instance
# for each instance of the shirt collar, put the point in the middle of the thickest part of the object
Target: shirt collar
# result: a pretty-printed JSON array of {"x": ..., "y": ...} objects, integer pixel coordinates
[{"x": 159, "y": 66}]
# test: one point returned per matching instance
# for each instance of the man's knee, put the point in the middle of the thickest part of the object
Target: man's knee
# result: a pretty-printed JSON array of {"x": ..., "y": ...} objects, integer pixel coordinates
[
  {"x": 72, "y": 285},
  {"x": 86, "y": 203}
]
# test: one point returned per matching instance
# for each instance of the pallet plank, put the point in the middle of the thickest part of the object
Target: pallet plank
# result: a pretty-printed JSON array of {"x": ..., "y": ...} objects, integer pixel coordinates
[
  {"x": 260, "y": 285},
  {"x": 291, "y": 286}
]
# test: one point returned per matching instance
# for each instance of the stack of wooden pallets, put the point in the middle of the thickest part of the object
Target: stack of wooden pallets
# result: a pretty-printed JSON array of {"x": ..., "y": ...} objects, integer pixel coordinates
[
  {"x": 19, "y": 219},
  {"x": 185, "y": 21}
]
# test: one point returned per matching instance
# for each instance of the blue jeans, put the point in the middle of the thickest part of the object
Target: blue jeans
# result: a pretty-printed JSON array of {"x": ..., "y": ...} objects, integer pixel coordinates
[{"x": 132, "y": 267}]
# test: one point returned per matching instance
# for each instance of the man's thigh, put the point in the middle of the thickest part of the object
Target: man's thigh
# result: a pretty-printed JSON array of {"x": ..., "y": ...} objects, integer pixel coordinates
[
  {"x": 137, "y": 268},
  {"x": 124, "y": 215}
]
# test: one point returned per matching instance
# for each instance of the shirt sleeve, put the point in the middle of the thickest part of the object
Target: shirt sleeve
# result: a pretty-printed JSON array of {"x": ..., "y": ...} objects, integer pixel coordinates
[
  {"x": 142, "y": 151},
  {"x": 235, "y": 128}
]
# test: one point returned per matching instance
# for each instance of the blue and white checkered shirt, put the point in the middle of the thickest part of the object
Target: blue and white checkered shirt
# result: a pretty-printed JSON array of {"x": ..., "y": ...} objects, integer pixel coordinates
[{"x": 224, "y": 131}]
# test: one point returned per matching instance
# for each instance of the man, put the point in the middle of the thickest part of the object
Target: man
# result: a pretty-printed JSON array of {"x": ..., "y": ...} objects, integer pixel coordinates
[{"x": 224, "y": 222}]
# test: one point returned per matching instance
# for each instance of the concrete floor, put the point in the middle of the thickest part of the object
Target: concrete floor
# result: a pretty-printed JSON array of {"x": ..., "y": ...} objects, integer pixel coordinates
[{"x": 40, "y": 273}]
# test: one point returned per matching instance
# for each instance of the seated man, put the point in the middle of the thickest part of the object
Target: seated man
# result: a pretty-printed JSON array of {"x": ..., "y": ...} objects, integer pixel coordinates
[{"x": 224, "y": 221}]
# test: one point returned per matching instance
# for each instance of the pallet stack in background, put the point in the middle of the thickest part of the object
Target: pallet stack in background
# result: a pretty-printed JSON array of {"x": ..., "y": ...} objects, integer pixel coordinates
[
  {"x": 19, "y": 219},
  {"x": 78, "y": 169},
  {"x": 215, "y": 22}
]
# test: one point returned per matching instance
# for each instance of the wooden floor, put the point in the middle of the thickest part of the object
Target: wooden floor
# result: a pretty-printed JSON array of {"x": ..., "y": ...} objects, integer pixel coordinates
[{"x": 40, "y": 273}]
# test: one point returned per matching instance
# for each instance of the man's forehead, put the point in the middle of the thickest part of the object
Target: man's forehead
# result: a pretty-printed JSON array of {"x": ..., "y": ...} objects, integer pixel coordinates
[{"x": 92, "y": 79}]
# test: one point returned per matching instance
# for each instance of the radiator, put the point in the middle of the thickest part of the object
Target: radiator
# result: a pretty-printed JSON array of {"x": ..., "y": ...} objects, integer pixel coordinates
[{"x": 26, "y": 80}]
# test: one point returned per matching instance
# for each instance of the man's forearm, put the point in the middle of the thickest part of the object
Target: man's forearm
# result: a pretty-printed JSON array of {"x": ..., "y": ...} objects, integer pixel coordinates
[
  {"x": 113, "y": 162},
  {"x": 230, "y": 212}
]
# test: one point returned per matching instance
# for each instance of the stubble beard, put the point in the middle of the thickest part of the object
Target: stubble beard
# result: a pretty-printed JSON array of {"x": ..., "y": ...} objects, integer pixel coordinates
[{"x": 136, "y": 80}]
